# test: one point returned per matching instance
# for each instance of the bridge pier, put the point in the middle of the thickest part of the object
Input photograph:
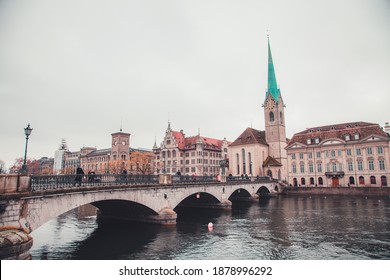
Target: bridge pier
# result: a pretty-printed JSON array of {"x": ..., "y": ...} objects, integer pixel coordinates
[{"x": 15, "y": 244}]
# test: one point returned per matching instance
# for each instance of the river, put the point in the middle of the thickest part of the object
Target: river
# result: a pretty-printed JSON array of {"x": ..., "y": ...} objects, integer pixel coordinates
[{"x": 284, "y": 227}]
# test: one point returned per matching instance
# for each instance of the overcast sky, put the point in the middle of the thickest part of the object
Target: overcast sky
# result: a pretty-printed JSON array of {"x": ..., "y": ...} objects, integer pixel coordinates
[{"x": 76, "y": 69}]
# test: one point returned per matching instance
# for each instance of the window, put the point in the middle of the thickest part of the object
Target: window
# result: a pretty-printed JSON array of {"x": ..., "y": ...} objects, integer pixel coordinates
[
  {"x": 351, "y": 180},
  {"x": 360, "y": 165},
  {"x": 350, "y": 166},
  {"x": 311, "y": 181},
  {"x": 371, "y": 165},
  {"x": 369, "y": 151},
  {"x": 339, "y": 153},
  {"x": 294, "y": 168},
  {"x": 317, "y": 140},
  {"x": 380, "y": 150},
  {"x": 320, "y": 181},
  {"x": 319, "y": 167},
  {"x": 347, "y": 137},
  {"x": 356, "y": 136},
  {"x": 308, "y": 141},
  {"x": 340, "y": 167},
  {"x": 383, "y": 181},
  {"x": 358, "y": 152},
  {"x": 334, "y": 167},
  {"x": 349, "y": 152},
  {"x": 243, "y": 161},
  {"x": 281, "y": 117},
  {"x": 333, "y": 153},
  {"x": 309, "y": 155},
  {"x": 326, "y": 153},
  {"x": 238, "y": 163},
  {"x": 301, "y": 155},
  {"x": 327, "y": 167},
  {"x": 311, "y": 169},
  {"x": 361, "y": 180},
  {"x": 382, "y": 165},
  {"x": 318, "y": 154},
  {"x": 302, "y": 168},
  {"x": 271, "y": 117},
  {"x": 303, "y": 181},
  {"x": 293, "y": 156},
  {"x": 373, "y": 180}
]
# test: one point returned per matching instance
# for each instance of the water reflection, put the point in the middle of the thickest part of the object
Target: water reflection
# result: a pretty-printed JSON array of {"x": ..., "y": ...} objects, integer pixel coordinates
[{"x": 273, "y": 228}]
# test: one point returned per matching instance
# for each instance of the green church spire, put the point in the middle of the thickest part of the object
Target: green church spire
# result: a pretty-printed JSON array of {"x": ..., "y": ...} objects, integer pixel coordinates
[{"x": 272, "y": 85}]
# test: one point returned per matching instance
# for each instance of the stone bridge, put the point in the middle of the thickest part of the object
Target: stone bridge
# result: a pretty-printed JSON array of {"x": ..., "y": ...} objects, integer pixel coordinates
[{"x": 25, "y": 205}]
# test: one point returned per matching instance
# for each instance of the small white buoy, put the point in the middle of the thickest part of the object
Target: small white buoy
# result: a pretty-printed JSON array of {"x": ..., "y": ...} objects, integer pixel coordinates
[{"x": 210, "y": 226}]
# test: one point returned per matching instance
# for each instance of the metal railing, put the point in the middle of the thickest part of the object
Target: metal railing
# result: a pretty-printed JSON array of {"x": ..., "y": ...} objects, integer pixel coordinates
[
  {"x": 264, "y": 179},
  {"x": 51, "y": 182},
  {"x": 188, "y": 179}
]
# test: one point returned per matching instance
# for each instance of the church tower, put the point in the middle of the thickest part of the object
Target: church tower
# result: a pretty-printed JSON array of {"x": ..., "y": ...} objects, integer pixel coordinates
[{"x": 275, "y": 128}]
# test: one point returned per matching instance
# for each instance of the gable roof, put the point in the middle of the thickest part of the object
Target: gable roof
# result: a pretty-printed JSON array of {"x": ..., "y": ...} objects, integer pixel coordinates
[
  {"x": 270, "y": 161},
  {"x": 250, "y": 136}
]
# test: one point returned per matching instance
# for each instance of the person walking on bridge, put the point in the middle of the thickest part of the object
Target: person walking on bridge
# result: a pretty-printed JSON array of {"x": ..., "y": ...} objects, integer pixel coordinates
[{"x": 79, "y": 176}]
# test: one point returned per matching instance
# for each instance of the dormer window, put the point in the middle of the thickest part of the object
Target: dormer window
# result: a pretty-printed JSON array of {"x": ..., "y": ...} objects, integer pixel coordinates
[
  {"x": 317, "y": 140},
  {"x": 347, "y": 137},
  {"x": 356, "y": 136},
  {"x": 308, "y": 141}
]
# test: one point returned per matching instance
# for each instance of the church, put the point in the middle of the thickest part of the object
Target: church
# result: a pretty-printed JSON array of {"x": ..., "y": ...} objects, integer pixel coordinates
[{"x": 262, "y": 152}]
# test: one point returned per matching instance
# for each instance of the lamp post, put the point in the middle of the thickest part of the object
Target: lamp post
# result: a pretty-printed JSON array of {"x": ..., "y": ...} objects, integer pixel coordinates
[{"x": 27, "y": 132}]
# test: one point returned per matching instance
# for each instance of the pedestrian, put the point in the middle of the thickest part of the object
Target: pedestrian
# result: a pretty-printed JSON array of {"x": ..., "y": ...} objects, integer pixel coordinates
[{"x": 79, "y": 175}]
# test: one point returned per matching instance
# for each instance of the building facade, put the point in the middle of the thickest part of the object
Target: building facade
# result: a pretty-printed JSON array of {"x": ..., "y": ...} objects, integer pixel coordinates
[
  {"x": 262, "y": 153},
  {"x": 195, "y": 155},
  {"x": 348, "y": 154},
  {"x": 120, "y": 158}
]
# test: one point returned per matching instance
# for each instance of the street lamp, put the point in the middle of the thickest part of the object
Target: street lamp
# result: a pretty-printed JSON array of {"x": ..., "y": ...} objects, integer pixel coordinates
[{"x": 27, "y": 132}]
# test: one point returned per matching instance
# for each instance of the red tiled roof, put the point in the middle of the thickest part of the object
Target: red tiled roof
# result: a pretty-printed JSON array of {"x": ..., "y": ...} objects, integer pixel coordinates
[
  {"x": 338, "y": 131},
  {"x": 250, "y": 136},
  {"x": 190, "y": 142}
]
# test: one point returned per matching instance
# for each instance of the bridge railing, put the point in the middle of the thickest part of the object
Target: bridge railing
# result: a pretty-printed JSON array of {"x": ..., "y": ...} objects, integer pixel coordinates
[
  {"x": 188, "y": 179},
  {"x": 47, "y": 182},
  {"x": 264, "y": 179}
]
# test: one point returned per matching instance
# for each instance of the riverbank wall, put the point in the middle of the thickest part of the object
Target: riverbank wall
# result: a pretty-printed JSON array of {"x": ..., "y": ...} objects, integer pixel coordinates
[{"x": 341, "y": 191}]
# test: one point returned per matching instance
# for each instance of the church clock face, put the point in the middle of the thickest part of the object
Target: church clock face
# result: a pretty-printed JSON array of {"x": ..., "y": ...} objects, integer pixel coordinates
[{"x": 270, "y": 104}]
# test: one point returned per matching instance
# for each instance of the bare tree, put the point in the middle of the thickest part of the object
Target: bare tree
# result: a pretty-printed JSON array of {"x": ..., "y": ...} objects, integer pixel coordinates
[{"x": 3, "y": 169}]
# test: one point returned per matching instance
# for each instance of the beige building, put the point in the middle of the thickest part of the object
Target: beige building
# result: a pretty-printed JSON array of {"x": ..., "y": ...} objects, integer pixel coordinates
[
  {"x": 355, "y": 154},
  {"x": 117, "y": 159},
  {"x": 195, "y": 155},
  {"x": 262, "y": 153}
]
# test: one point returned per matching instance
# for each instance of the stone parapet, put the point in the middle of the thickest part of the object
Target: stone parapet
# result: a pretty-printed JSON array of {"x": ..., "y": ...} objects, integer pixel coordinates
[{"x": 14, "y": 183}]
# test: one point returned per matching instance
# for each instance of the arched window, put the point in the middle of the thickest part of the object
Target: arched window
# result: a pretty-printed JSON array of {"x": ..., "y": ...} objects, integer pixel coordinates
[
  {"x": 271, "y": 116},
  {"x": 303, "y": 181},
  {"x": 238, "y": 163},
  {"x": 361, "y": 180},
  {"x": 243, "y": 161},
  {"x": 320, "y": 181},
  {"x": 351, "y": 180},
  {"x": 383, "y": 181},
  {"x": 269, "y": 173},
  {"x": 295, "y": 182},
  {"x": 169, "y": 153},
  {"x": 311, "y": 181},
  {"x": 250, "y": 163},
  {"x": 173, "y": 153},
  {"x": 372, "y": 180}
]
